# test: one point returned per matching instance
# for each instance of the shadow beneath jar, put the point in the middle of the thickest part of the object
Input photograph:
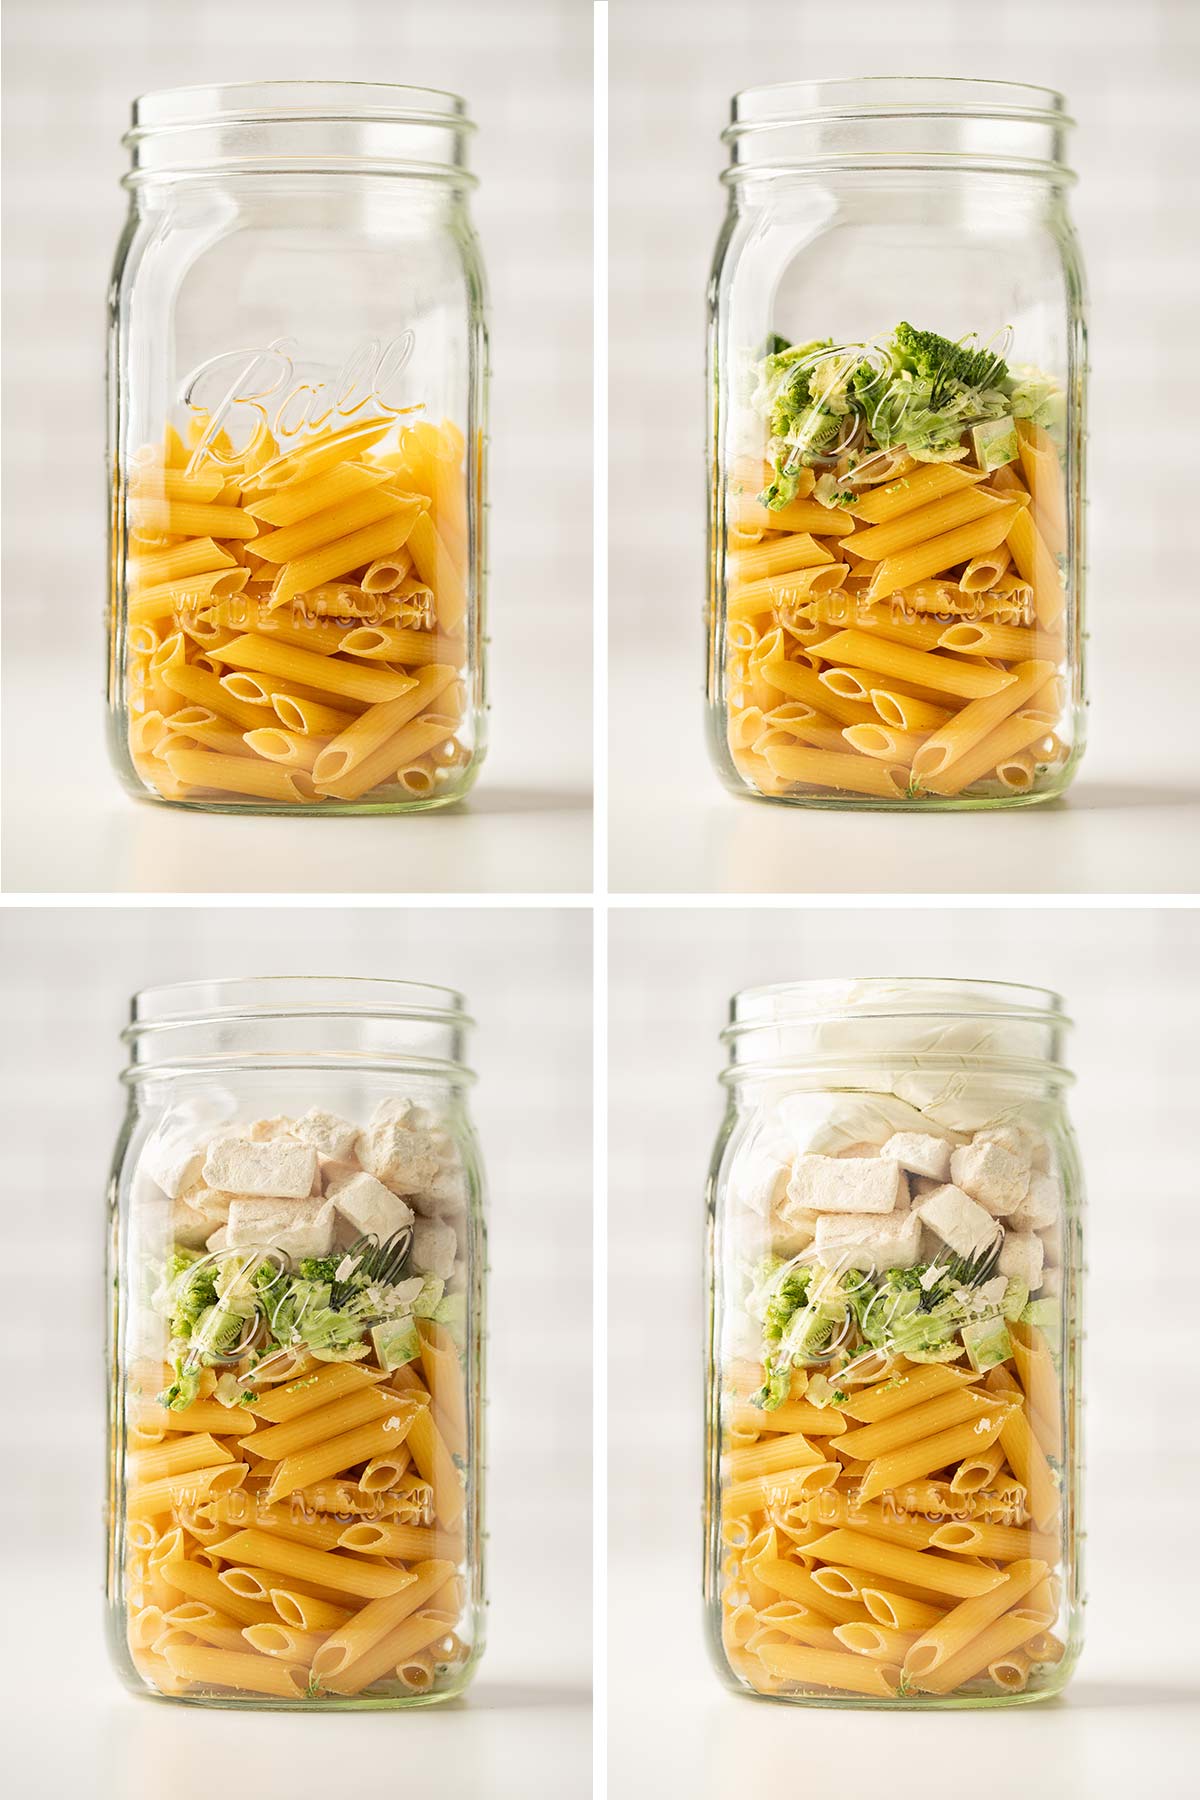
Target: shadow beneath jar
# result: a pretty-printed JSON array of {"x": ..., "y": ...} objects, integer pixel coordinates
[
  {"x": 1114, "y": 796},
  {"x": 517, "y": 1696},
  {"x": 510, "y": 800},
  {"x": 1128, "y": 1695}
]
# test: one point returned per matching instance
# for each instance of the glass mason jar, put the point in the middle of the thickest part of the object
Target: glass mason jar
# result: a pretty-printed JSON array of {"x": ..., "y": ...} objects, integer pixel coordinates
[
  {"x": 297, "y": 370},
  {"x": 897, "y": 362},
  {"x": 894, "y": 1456},
  {"x": 297, "y": 1263}
]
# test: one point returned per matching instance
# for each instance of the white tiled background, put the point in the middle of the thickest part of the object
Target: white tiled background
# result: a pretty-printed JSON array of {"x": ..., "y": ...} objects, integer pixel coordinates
[
  {"x": 1132, "y": 79},
  {"x": 65, "y": 978},
  {"x": 71, "y": 71},
  {"x": 1131, "y": 980}
]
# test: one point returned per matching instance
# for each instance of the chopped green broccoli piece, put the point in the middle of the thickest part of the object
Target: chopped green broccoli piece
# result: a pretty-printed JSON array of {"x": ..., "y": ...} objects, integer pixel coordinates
[
  {"x": 995, "y": 442},
  {"x": 429, "y": 1299},
  {"x": 186, "y": 1385},
  {"x": 790, "y": 1294},
  {"x": 775, "y": 1388},
  {"x": 451, "y": 1311},
  {"x": 320, "y": 1268},
  {"x": 396, "y": 1343},
  {"x": 1016, "y": 1298},
  {"x": 987, "y": 1344},
  {"x": 1038, "y": 398},
  {"x": 192, "y": 1294},
  {"x": 945, "y": 365},
  {"x": 1045, "y": 1315}
]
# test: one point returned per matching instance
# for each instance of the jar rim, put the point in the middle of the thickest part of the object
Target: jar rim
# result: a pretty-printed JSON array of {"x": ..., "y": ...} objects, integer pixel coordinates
[
  {"x": 259, "y": 996},
  {"x": 291, "y": 128},
  {"x": 899, "y": 124},
  {"x": 835, "y": 1029},
  {"x": 160, "y": 109},
  {"x": 828, "y": 999},
  {"x": 884, "y": 96}
]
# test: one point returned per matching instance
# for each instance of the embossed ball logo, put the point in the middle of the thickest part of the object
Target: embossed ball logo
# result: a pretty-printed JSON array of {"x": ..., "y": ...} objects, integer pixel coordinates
[{"x": 242, "y": 391}]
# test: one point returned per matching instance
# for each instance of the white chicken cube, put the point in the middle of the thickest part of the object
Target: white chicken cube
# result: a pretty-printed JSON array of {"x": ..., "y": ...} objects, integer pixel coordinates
[
  {"x": 401, "y": 1111},
  {"x": 279, "y": 1169},
  {"x": 332, "y": 1138},
  {"x": 869, "y": 1240},
  {"x": 370, "y": 1208},
  {"x": 434, "y": 1247},
  {"x": 759, "y": 1181},
  {"x": 1042, "y": 1206},
  {"x": 265, "y": 1131},
  {"x": 187, "y": 1226},
  {"x": 304, "y": 1228},
  {"x": 957, "y": 1220},
  {"x": 211, "y": 1204},
  {"x": 792, "y": 1230},
  {"x": 847, "y": 1184},
  {"x": 404, "y": 1159},
  {"x": 1052, "y": 1246},
  {"x": 928, "y": 1157},
  {"x": 1051, "y": 1285},
  {"x": 1021, "y": 1256},
  {"x": 990, "y": 1173},
  {"x": 336, "y": 1174},
  {"x": 174, "y": 1168}
]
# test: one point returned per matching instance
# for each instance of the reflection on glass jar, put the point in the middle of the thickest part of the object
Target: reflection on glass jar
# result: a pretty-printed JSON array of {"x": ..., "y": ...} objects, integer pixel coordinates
[
  {"x": 894, "y": 1437},
  {"x": 297, "y": 431},
  {"x": 297, "y": 1263},
  {"x": 895, "y": 604}
]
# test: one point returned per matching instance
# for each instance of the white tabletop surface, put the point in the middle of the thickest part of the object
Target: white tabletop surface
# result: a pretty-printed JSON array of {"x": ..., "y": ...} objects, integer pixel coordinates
[
  {"x": 1130, "y": 823},
  {"x": 522, "y": 1732},
  {"x": 69, "y": 827},
  {"x": 1127, "y": 1723}
]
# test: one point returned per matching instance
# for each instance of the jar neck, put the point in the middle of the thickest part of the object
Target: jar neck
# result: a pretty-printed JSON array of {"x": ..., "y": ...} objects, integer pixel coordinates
[
  {"x": 281, "y": 129},
  {"x": 880, "y": 1032},
  {"x": 905, "y": 196},
  {"x": 308, "y": 1024},
  {"x": 921, "y": 125}
]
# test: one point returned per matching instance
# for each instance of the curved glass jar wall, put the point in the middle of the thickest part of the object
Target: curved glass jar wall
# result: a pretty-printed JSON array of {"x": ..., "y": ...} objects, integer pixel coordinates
[
  {"x": 896, "y": 466},
  {"x": 894, "y": 1433},
  {"x": 297, "y": 367},
  {"x": 297, "y": 1257}
]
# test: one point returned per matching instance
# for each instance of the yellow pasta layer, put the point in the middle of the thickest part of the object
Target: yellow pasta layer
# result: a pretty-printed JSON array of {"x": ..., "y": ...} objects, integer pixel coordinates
[{"x": 239, "y": 558}]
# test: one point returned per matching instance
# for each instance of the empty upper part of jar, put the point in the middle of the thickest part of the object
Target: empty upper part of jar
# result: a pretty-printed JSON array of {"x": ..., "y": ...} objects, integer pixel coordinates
[
  {"x": 291, "y": 126},
  {"x": 897, "y": 120},
  {"x": 271, "y": 1021}
]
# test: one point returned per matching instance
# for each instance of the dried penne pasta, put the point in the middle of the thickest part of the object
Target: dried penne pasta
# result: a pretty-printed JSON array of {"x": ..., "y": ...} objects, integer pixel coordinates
[{"x": 260, "y": 566}]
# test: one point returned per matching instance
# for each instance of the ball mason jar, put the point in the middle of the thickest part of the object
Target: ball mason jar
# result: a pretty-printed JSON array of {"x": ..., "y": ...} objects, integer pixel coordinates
[
  {"x": 296, "y": 1280},
  {"x": 897, "y": 363},
  {"x": 297, "y": 370},
  {"x": 894, "y": 1456}
]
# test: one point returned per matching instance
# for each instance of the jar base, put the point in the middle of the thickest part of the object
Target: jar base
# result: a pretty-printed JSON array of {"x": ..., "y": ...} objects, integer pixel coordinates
[
  {"x": 931, "y": 803},
  {"x": 320, "y": 1704},
  {"x": 914, "y": 1703},
  {"x": 319, "y": 809}
]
